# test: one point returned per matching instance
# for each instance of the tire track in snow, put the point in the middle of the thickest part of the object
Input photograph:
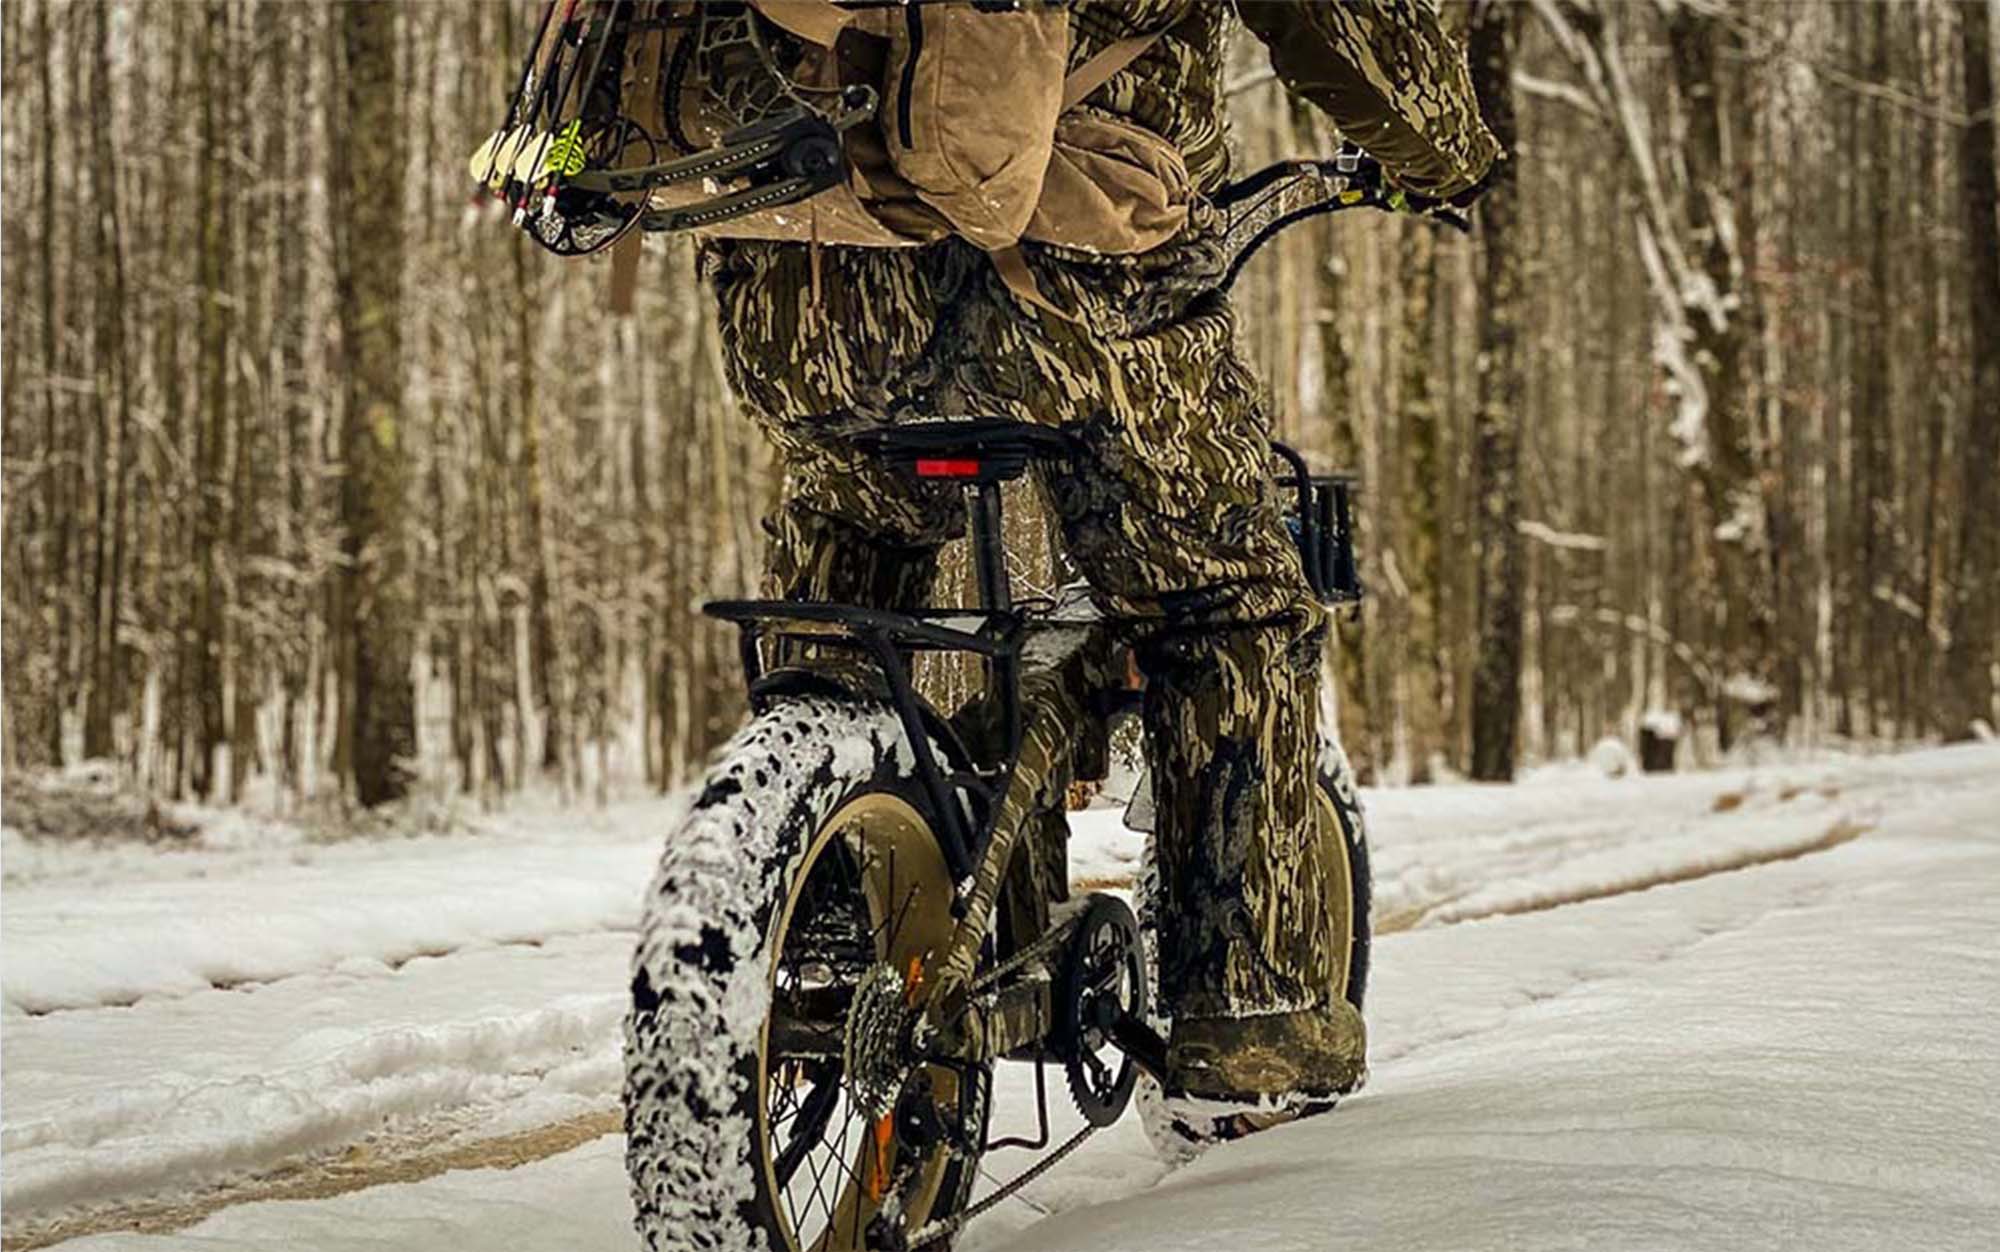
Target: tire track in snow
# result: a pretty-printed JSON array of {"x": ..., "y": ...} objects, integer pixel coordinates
[
  {"x": 416, "y": 1158},
  {"x": 392, "y": 963},
  {"x": 1446, "y": 912},
  {"x": 1843, "y": 830},
  {"x": 356, "y": 1169}
]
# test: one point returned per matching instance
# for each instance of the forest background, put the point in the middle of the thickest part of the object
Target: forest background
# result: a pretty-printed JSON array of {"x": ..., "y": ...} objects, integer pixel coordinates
[{"x": 322, "y": 485}]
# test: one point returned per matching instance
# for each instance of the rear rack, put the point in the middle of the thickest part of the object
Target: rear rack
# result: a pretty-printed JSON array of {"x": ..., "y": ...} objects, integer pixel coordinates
[
  {"x": 884, "y": 636},
  {"x": 924, "y": 630}
]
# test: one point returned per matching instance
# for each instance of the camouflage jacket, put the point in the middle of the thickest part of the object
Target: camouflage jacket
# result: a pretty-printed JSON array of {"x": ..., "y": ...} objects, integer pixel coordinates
[{"x": 1383, "y": 70}]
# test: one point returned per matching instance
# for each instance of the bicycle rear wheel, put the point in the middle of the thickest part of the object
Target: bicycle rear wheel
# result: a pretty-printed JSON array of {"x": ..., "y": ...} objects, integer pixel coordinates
[{"x": 766, "y": 1087}]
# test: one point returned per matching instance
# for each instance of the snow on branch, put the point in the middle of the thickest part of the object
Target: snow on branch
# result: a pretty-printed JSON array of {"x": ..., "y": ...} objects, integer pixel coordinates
[
  {"x": 1569, "y": 540},
  {"x": 1745, "y": 523},
  {"x": 1588, "y": 37},
  {"x": 1702, "y": 666},
  {"x": 1671, "y": 335}
]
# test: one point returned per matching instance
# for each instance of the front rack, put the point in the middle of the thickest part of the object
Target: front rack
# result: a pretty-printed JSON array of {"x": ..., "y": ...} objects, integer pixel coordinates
[{"x": 1322, "y": 524}]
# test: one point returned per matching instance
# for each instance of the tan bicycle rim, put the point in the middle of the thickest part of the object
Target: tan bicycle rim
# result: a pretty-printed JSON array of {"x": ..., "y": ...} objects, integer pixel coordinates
[{"x": 908, "y": 892}]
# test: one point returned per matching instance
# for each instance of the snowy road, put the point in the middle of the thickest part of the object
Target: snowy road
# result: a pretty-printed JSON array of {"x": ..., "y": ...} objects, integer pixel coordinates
[{"x": 1802, "y": 1053}]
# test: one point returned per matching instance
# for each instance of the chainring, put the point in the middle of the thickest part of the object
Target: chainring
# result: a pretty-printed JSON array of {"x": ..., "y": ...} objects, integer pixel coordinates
[{"x": 1103, "y": 978}]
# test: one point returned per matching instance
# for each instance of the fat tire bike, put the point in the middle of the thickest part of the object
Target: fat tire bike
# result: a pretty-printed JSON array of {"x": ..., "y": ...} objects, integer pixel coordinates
[{"x": 847, "y": 932}]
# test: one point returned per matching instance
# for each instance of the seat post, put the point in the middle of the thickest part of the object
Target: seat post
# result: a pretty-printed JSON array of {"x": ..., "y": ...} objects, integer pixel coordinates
[{"x": 989, "y": 547}]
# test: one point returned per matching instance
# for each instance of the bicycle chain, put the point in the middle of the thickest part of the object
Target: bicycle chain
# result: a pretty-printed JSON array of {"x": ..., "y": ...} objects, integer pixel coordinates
[
  {"x": 945, "y": 1227},
  {"x": 1051, "y": 940}
]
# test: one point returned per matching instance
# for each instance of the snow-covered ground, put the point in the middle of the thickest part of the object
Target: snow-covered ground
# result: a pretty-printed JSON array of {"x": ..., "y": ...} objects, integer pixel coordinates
[{"x": 1802, "y": 1053}]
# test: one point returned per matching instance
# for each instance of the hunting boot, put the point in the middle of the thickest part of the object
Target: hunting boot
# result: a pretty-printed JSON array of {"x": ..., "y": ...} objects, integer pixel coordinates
[
  {"x": 1231, "y": 1076},
  {"x": 1316, "y": 1054}
]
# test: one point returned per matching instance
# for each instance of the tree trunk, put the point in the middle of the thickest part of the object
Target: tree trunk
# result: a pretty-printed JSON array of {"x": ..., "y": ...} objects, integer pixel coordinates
[
  {"x": 54, "y": 506},
  {"x": 1872, "y": 505},
  {"x": 214, "y": 170},
  {"x": 545, "y": 650},
  {"x": 377, "y": 604},
  {"x": 1423, "y": 491},
  {"x": 1335, "y": 406},
  {"x": 1975, "y": 615},
  {"x": 114, "y": 414},
  {"x": 249, "y": 451},
  {"x": 1736, "y": 521},
  {"x": 1496, "y": 678}
]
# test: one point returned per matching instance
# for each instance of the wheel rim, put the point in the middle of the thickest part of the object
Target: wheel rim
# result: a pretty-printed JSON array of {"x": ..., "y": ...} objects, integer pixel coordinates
[
  {"x": 1343, "y": 938},
  {"x": 873, "y": 891}
]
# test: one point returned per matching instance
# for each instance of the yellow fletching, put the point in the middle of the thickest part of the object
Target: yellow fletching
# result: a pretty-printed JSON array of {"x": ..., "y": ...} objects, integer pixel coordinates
[
  {"x": 550, "y": 156},
  {"x": 566, "y": 154}
]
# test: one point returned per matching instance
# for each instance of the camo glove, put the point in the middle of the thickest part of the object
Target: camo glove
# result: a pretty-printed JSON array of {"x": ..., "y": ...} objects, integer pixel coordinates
[{"x": 1391, "y": 80}]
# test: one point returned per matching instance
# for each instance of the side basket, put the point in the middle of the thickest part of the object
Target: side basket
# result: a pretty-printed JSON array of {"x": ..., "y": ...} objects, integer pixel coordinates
[{"x": 1322, "y": 524}]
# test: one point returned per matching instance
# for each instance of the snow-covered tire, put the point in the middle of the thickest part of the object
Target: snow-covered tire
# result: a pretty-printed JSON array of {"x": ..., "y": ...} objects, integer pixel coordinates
[
  {"x": 1336, "y": 777},
  {"x": 698, "y": 1151}
]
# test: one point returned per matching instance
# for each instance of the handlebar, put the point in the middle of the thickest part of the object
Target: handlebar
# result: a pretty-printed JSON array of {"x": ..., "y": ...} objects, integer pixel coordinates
[{"x": 1365, "y": 174}]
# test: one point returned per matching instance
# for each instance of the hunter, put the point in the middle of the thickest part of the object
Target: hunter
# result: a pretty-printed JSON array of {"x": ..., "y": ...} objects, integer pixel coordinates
[{"x": 1176, "y": 522}]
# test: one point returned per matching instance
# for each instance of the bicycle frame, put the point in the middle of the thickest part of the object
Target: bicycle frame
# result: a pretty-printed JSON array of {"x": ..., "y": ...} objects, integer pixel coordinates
[
  {"x": 1057, "y": 675},
  {"x": 1042, "y": 670}
]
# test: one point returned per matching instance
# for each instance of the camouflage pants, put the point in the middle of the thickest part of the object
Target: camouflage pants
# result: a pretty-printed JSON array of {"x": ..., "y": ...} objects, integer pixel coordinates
[{"x": 1176, "y": 523}]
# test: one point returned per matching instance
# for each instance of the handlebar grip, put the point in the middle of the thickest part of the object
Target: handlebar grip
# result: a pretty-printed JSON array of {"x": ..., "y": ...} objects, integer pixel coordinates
[{"x": 1366, "y": 172}]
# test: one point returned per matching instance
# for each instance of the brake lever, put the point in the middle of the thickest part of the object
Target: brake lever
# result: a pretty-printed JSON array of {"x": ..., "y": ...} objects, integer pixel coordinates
[{"x": 1364, "y": 173}]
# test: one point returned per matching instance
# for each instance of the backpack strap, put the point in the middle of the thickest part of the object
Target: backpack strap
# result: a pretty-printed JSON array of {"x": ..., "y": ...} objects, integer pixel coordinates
[
  {"x": 1096, "y": 71},
  {"x": 639, "y": 83},
  {"x": 623, "y": 288},
  {"x": 1103, "y": 63},
  {"x": 815, "y": 21},
  {"x": 1013, "y": 269}
]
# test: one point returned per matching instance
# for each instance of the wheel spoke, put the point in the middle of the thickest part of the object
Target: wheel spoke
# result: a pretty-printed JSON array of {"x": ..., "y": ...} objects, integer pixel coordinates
[
  {"x": 819, "y": 1174},
  {"x": 875, "y": 890},
  {"x": 812, "y": 1114}
]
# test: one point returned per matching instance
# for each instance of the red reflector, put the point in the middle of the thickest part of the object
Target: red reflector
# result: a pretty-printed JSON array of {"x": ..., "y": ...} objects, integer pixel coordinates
[{"x": 929, "y": 467}]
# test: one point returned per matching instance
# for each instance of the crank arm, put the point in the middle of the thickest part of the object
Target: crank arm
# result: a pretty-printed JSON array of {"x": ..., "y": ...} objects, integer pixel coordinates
[{"x": 1142, "y": 1043}]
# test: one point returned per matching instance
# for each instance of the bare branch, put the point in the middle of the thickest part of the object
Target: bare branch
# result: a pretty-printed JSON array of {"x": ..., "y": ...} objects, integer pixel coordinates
[{"x": 1562, "y": 93}]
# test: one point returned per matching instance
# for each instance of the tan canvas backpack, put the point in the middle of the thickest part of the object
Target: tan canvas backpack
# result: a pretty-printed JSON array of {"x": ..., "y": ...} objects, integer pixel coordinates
[{"x": 980, "y": 131}]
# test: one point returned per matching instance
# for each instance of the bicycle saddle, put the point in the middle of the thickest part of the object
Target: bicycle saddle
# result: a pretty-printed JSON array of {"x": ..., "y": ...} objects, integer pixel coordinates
[{"x": 970, "y": 449}]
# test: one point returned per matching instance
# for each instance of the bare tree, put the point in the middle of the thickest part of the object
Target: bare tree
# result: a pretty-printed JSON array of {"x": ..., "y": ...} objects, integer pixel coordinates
[
  {"x": 376, "y": 601},
  {"x": 1496, "y": 679},
  {"x": 1975, "y": 615},
  {"x": 113, "y": 405}
]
